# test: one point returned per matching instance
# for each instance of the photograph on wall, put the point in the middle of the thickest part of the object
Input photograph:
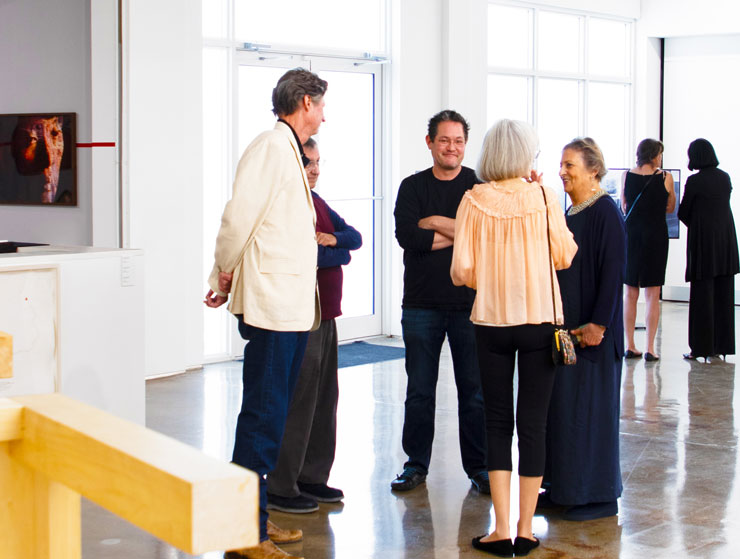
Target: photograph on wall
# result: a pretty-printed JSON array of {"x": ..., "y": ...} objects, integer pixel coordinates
[
  {"x": 612, "y": 183},
  {"x": 38, "y": 159}
]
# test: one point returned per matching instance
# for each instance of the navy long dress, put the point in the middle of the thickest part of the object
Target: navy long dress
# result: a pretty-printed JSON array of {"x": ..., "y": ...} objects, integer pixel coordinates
[{"x": 583, "y": 423}]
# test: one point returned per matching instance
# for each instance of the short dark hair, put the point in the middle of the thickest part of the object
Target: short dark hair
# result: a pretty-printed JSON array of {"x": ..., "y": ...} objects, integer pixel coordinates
[
  {"x": 647, "y": 150},
  {"x": 592, "y": 155},
  {"x": 444, "y": 116},
  {"x": 309, "y": 144},
  {"x": 702, "y": 155},
  {"x": 291, "y": 88}
]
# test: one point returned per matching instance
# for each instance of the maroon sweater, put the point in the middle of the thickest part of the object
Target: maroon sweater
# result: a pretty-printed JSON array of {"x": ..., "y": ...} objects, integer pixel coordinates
[{"x": 331, "y": 259}]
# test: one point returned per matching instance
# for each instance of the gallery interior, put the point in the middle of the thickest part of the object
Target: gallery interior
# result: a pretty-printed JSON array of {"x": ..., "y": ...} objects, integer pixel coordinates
[{"x": 167, "y": 94}]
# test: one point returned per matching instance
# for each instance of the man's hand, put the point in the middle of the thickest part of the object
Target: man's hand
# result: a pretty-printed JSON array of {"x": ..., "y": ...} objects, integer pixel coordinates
[
  {"x": 326, "y": 239},
  {"x": 589, "y": 334},
  {"x": 214, "y": 300},
  {"x": 224, "y": 282}
]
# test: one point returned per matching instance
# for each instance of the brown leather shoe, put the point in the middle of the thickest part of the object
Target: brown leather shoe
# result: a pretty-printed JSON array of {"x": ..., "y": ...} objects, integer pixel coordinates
[
  {"x": 265, "y": 550},
  {"x": 282, "y": 535}
]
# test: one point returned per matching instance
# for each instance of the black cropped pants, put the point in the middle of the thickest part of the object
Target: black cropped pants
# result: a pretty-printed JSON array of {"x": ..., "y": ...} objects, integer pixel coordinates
[{"x": 498, "y": 347}]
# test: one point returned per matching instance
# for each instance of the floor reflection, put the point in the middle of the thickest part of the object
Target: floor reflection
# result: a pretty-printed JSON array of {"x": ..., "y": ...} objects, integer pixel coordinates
[{"x": 678, "y": 442}]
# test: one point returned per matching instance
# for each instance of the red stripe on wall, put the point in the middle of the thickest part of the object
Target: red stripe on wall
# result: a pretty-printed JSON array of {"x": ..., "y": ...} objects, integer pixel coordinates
[{"x": 97, "y": 145}]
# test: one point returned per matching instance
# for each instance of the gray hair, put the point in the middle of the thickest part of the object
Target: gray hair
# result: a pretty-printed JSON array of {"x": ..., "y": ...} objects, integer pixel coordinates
[
  {"x": 292, "y": 87},
  {"x": 593, "y": 157},
  {"x": 509, "y": 149},
  {"x": 309, "y": 144}
]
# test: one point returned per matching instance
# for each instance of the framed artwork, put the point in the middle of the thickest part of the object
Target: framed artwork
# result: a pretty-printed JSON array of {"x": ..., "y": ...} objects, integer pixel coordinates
[
  {"x": 612, "y": 183},
  {"x": 38, "y": 159}
]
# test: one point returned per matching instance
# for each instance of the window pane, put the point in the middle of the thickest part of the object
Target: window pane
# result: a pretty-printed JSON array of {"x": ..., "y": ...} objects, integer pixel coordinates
[
  {"x": 509, "y": 97},
  {"x": 358, "y": 293},
  {"x": 215, "y": 183},
  {"x": 560, "y": 40},
  {"x": 607, "y": 121},
  {"x": 558, "y": 122},
  {"x": 608, "y": 47},
  {"x": 214, "y": 18},
  {"x": 510, "y": 37},
  {"x": 255, "y": 102},
  {"x": 336, "y": 24},
  {"x": 346, "y": 139}
]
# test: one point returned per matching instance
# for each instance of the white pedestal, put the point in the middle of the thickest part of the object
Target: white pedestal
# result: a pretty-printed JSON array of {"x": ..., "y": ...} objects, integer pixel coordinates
[{"x": 76, "y": 315}]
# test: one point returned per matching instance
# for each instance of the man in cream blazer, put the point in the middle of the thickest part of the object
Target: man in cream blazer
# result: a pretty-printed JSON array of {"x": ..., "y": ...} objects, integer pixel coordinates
[{"x": 266, "y": 258}]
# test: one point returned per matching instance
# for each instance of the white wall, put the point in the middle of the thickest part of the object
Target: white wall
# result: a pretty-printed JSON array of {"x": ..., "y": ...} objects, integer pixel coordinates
[
  {"x": 45, "y": 67},
  {"x": 702, "y": 72},
  {"x": 621, "y": 8},
  {"x": 702, "y": 81},
  {"x": 677, "y": 18},
  {"x": 163, "y": 173}
]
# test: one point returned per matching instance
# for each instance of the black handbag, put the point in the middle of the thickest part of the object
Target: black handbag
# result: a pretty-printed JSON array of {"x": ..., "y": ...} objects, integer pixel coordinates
[{"x": 563, "y": 342}]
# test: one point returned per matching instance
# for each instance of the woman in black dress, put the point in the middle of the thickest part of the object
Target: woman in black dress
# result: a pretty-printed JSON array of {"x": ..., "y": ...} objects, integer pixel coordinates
[
  {"x": 647, "y": 195},
  {"x": 711, "y": 254},
  {"x": 582, "y": 462}
]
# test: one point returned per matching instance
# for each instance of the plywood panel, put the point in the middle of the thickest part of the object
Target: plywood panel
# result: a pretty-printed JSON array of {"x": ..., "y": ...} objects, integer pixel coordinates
[{"x": 28, "y": 312}]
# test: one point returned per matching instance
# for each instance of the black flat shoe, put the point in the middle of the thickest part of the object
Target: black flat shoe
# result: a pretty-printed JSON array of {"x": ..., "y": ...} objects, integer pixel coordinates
[
  {"x": 629, "y": 354},
  {"x": 522, "y": 546},
  {"x": 650, "y": 357},
  {"x": 499, "y": 548},
  {"x": 690, "y": 356}
]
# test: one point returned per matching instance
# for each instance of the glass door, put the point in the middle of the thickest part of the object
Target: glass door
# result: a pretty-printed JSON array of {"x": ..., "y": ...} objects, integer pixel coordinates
[{"x": 350, "y": 169}]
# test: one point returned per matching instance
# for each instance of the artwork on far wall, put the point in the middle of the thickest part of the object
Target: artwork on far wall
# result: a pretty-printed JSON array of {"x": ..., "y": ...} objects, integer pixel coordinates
[
  {"x": 38, "y": 159},
  {"x": 612, "y": 183}
]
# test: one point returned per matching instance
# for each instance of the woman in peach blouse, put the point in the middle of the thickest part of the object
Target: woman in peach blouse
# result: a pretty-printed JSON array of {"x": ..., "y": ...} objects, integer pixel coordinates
[{"x": 501, "y": 251}]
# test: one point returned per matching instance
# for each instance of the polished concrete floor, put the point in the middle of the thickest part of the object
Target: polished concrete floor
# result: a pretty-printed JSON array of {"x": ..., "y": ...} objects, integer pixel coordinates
[{"x": 679, "y": 440}]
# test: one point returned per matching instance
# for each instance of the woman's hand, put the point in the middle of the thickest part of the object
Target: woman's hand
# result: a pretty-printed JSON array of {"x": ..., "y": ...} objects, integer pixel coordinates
[
  {"x": 534, "y": 177},
  {"x": 589, "y": 334}
]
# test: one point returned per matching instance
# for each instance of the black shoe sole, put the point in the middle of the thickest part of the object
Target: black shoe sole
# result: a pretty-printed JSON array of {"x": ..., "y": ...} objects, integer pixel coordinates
[
  {"x": 406, "y": 486},
  {"x": 292, "y": 510}
]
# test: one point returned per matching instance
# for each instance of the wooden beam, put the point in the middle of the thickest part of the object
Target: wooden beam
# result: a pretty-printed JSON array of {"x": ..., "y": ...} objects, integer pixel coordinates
[
  {"x": 167, "y": 488},
  {"x": 38, "y": 517},
  {"x": 6, "y": 355},
  {"x": 10, "y": 420}
]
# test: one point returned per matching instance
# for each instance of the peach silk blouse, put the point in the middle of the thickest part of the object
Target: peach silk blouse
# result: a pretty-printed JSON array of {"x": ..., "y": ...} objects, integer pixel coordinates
[{"x": 500, "y": 250}]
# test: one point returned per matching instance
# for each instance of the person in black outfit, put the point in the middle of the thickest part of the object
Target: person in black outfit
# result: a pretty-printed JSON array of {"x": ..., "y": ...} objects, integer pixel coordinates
[
  {"x": 711, "y": 254},
  {"x": 647, "y": 195},
  {"x": 433, "y": 307}
]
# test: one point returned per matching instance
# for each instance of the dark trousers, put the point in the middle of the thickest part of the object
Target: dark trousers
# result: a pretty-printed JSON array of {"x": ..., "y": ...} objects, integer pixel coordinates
[
  {"x": 712, "y": 316},
  {"x": 271, "y": 364},
  {"x": 498, "y": 347},
  {"x": 310, "y": 439},
  {"x": 424, "y": 332}
]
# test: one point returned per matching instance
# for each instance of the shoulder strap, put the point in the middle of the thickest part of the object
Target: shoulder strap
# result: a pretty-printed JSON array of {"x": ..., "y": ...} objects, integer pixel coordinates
[{"x": 549, "y": 260}]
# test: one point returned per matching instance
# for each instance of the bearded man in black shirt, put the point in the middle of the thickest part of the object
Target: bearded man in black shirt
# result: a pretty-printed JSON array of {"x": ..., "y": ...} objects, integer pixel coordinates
[{"x": 434, "y": 308}]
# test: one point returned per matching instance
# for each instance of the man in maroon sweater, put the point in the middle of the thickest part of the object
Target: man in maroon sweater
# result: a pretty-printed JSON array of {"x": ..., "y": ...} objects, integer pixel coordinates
[{"x": 299, "y": 481}]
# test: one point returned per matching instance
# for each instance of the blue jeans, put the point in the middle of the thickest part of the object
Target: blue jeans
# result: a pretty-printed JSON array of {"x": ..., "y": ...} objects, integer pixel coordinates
[
  {"x": 272, "y": 361},
  {"x": 424, "y": 332}
]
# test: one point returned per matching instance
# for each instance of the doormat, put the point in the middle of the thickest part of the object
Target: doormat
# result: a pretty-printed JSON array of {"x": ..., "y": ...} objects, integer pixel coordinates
[{"x": 361, "y": 353}]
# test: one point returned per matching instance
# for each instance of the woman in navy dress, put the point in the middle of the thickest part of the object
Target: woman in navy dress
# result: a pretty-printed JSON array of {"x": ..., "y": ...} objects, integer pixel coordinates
[
  {"x": 711, "y": 254},
  {"x": 582, "y": 469},
  {"x": 647, "y": 195}
]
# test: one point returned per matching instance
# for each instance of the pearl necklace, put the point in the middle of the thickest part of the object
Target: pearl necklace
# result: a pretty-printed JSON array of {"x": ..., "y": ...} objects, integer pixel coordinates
[{"x": 573, "y": 210}]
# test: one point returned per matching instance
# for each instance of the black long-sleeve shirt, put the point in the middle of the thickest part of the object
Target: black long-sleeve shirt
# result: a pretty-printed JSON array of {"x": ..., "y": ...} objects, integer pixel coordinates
[{"x": 426, "y": 278}]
